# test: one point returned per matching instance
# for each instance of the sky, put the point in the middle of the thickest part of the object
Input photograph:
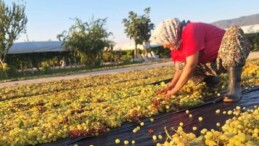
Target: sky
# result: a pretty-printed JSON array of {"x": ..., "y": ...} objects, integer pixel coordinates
[{"x": 48, "y": 18}]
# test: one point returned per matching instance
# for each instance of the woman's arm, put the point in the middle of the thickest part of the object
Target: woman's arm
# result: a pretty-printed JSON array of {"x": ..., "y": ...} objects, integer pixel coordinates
[
  {"x": 175, "y": 79},
  {"x": 191, "y": 63},
  {"x": 171, "y": 85}
]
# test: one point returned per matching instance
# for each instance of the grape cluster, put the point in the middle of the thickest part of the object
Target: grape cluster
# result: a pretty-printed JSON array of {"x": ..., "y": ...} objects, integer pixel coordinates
[{"x": 241, "y": 130}]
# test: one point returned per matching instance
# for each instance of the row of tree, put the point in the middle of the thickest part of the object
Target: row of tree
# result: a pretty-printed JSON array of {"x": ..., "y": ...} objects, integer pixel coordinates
[{"x": 86, "y": 39}]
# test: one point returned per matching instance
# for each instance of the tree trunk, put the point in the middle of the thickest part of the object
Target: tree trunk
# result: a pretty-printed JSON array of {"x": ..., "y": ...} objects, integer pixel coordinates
[
  {"x": 146, "y": 46},
  {"x": 135, "y": 51},
  {"x": 2, "y": 65},
  {"x": 2, "y": 62}
]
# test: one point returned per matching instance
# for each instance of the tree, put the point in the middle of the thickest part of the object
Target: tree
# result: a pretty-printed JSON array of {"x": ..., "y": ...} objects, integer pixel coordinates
[
  {"x": 87, "y": 39},
  {"x": 12, "y": 22},
  {"x": 138, "y": 28},
  {"x": 254, "y": 40}
]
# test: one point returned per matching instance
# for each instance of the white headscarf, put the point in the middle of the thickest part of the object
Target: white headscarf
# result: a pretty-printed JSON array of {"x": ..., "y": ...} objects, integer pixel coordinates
[{"x": 167, "y": 32}]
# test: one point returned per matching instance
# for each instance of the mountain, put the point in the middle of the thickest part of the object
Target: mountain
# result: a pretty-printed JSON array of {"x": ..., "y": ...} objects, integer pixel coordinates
[
  {"x": 241, "y": 21},
  {"x": 249, "y": 24}
]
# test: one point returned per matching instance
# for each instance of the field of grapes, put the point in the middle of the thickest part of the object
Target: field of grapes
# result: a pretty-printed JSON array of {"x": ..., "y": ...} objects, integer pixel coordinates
[{"x": 94, "y": 106}]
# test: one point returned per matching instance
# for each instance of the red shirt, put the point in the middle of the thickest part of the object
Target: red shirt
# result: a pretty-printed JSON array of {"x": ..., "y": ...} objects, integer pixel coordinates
[{"x": 199, "y": 37}]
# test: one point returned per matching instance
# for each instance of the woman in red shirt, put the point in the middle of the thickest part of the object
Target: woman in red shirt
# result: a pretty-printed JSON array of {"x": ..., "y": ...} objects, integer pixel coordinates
[{"x": 200, "y": 52}]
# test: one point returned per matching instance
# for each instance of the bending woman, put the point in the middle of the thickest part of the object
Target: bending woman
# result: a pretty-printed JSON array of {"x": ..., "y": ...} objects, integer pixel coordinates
[{"x": 202, "y": 51}]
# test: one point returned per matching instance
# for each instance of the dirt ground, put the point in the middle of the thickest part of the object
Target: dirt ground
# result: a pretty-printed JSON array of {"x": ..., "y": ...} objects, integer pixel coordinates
[{"x": 253, "y": 55}]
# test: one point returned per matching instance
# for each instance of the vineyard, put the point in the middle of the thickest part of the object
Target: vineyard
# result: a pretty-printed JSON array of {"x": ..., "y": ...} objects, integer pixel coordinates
[{"x": 92, "y": 106}]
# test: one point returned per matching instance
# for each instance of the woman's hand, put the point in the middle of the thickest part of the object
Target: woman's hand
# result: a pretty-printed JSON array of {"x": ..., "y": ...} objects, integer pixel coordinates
[
  {"x": 169, "y": 94},
  {"x": 163, "y": 91},
  {"x": 171, "y": 85},
  {"x": 191, "y": 63}
]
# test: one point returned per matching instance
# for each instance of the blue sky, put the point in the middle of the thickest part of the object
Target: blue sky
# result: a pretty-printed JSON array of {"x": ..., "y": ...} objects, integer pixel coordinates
[{"x": 48, "y": 18}]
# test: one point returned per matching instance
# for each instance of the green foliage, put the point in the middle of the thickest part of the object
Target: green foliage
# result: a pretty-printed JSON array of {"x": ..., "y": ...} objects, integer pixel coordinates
[
  {"x": 108, "y": 56},
  {"x": 3, "y": 70},
  {"x": 12, "y": 22},
  {"x": 20, "y": 62},
  {"x": 33, "y": 60},
  {"x": 145, "y": 26},
  {"x": 126, "y": 58},
  {"x": 117, "y": 56},
  {"x": 6, "y": 71},
  {"x": 45, "y": 65},
  {"x": 87, "y": 39},
  {"x": 138, "y": 28},
  {"x": 161, "y": 52},
  {"x": 254, "y": 40}
]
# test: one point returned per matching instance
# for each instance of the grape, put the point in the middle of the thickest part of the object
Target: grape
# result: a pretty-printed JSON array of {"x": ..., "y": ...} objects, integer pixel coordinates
[
  {"x": 117, "y": 141},
  {"x": 217, "y": 111},
  {"x": 154, "y": 137},
  {"x": 126, "y": 142},
  {"x": 160, "y": 137},
  {"x": 241, "y": 130}
]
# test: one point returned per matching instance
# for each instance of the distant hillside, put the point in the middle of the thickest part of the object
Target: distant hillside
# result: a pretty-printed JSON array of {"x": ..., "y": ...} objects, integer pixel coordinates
[{"x": 241, "y": 21}]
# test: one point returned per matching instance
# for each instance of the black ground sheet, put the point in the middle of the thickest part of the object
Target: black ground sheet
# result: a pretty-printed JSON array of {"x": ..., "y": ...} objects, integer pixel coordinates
[{"x": 171, "y": 119}]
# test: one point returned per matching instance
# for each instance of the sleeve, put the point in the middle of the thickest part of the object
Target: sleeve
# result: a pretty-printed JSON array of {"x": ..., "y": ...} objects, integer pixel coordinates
[
  {"x": 193, "y": 40},
  {"x": 178, "y": 55},
  {"x": 179, "y": 65}
]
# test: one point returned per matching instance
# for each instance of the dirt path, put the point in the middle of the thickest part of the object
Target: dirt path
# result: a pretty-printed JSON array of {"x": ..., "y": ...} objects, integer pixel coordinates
[
  {"x": 253, "y": 55},
  {"x": 74, "y": 76}
]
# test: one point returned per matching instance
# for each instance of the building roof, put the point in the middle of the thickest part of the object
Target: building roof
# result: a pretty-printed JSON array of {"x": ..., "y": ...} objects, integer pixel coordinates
[
  {"x": 251, "y": 28},
  {"x": 36, "y": 47}
]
